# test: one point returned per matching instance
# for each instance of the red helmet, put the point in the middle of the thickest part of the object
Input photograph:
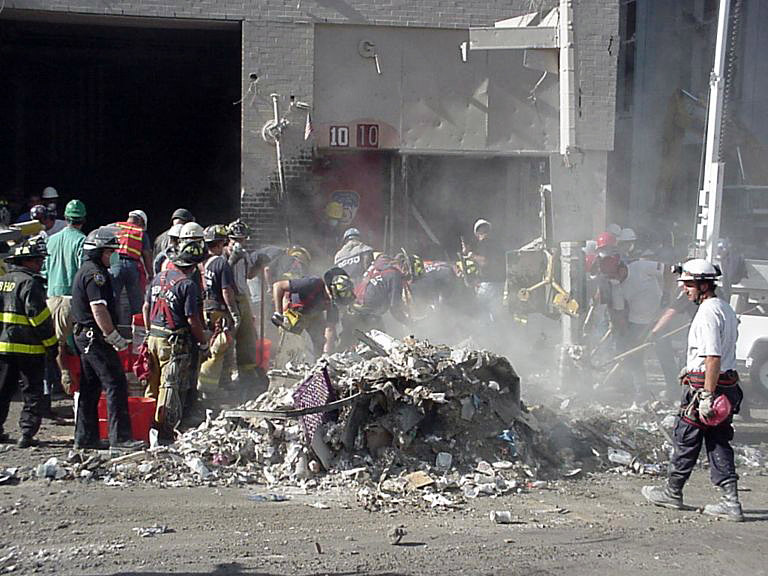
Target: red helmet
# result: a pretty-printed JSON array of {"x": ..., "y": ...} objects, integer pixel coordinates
[{"x": 605, "y": 240}]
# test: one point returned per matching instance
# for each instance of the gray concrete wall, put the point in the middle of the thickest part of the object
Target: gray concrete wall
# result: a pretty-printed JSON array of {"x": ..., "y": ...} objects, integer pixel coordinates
[{"x": 278, "y": 45}]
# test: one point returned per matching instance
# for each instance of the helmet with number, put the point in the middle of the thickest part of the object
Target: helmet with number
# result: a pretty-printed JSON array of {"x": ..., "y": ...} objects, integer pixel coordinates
[
  {"x": 190, "y": 231},
  {"x": 238, "y": 229},
  {"x": 189, "y": 253},
  {"x": 300, "y": 253},
  {"x": 351, "y": 233},
  {"x": 104, "y": 237},
  {"x": 342, "y": 289},
  {"x": 468, "y": 268},
  {"x": 33, "y": 247},
  {"x": 74, "y": 211},
  {"x": 39, "y": 212},
  {"x": 175, "y": 231},
  {"x": 214, "y": 233},
  {"x": 697, "y": 269}
]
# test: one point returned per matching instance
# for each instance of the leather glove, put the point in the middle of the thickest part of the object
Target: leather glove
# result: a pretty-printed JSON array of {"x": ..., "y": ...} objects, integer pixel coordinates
[
  {"x": 116, "y": 341},
  {"x": 705, "y": 404},
  {"x": 277, "y": 319}
]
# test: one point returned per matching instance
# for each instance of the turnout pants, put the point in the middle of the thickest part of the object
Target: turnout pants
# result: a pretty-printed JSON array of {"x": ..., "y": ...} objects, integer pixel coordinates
[
  {"x": 101, "y": 368},
  {"x": 170, "y": 357},
  {"x": 61, "y": 312},
  {"x": 28, "y": 372},
  {"x": 690, "y": 435}
]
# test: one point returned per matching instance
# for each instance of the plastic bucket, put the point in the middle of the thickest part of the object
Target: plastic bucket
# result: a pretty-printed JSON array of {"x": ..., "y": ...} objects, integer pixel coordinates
[{"x": 141, "y": 411}]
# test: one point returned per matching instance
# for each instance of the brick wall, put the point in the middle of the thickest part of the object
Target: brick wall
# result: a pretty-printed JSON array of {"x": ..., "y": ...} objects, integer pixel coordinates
[{"x": 278, "y": 45}]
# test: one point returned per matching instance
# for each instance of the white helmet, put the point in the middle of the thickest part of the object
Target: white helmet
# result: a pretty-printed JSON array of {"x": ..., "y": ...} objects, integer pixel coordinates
[
  {"x": 175, "y": 230},
  {"x": 191, "y": 230},
  {"x": 614, "y": 229},
  {"x": 50, "y": 192},
  {"x": 627, "y": 235},
  {"x": 139, "y": 214},
  {"x": 697, "y": 269}
]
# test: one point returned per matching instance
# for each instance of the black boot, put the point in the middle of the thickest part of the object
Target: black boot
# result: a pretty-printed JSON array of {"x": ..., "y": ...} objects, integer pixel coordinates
[
  {"x": 669, "y": 496},
  {"x": 729, "y": 507}
]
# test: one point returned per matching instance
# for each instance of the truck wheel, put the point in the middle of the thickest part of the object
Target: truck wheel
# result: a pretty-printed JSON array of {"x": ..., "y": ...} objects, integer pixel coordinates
[{"x": 758, "y": 374}]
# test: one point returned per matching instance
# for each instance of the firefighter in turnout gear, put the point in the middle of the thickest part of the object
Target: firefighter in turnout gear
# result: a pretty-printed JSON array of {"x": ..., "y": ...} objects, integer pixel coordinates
[
  {"x": 711, "y": 395},
  {"x": 312, "y": 304},
  {"x": 26, "y": 337},
  {"x": 354, "y": 256},
  {"x": 384, "y": 288},
  {"x": 243, "y": 270},
  {"x": 171, "y": 310},
  {"x": 97, "y": 342},
  {"x": 222, "y": 315}
]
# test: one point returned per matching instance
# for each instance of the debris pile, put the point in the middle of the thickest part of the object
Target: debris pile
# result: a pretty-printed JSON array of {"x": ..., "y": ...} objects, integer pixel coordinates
[{"x": 396, "y": 421}]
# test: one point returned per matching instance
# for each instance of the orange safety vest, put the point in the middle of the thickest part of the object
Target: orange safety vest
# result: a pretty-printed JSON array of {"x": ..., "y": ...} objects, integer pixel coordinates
[{"x": 131, "y": 239}]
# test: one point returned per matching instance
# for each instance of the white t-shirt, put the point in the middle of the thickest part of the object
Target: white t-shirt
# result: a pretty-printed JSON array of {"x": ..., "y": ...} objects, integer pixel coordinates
[
  {"x": 713, "y": 332},
  {"x": 641, "y": 290}
]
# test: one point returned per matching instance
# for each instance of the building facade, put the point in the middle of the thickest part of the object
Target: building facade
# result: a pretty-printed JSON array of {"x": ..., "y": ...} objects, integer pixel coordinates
[{"x": 382, "y": 123}]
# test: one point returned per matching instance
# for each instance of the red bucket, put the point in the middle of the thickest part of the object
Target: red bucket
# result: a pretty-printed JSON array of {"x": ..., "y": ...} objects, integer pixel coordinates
[
  {"x": 72, "y": 363},
  {"x": 127, "y": 358},
  {"x": 141, "y": 411},
  {"x": 263, "y": 352}
]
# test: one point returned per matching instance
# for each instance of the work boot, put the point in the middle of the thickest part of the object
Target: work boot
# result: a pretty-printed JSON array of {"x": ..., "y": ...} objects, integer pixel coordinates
[
  {"x": 729, "y": 507},
  {"x": 664, "y": 496},
  {"x": 26, "y": 441},
  {"x": 129, "y": 445}
]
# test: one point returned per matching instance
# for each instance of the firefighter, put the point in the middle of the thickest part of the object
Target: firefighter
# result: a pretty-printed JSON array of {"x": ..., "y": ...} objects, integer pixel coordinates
[
  {"x": 354, "y": 256},
  {"x": 97, "y": 341},
  {"x": 243, "y": 270},
  {"x": 222, "y": 314},
  {"x": 134, "y": 264},
  {"x": 171, "y": 310},
  {"x": 711, "y": 395},
  {"x": 312, "y": 304},
  {"x": 384, "y": 288},
  {"x": 171, "y": 242},
  {"x": 26, "y": 336}
]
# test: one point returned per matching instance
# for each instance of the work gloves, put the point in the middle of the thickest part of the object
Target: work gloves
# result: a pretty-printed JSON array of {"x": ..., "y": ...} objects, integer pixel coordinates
[
  {"x": 706, "y": 410},
  {"x": 116, "y": 341}
]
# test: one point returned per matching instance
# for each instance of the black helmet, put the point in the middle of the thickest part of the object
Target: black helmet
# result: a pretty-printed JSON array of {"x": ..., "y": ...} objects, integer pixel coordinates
[
  {"x": 340, "y": 286},
  {"x": 238, "y": 229},
  {"x": 182, "y": 214},
  {"x": 214, "y": 232},
  {"x": 33, "y": 247},
  {"x": 102, "y": 237},
  {"x": 189, "y": 253}
]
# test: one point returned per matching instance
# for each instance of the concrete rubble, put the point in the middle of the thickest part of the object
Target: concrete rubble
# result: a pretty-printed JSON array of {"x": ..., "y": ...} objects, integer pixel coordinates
[{"x": 411, "y": 423}]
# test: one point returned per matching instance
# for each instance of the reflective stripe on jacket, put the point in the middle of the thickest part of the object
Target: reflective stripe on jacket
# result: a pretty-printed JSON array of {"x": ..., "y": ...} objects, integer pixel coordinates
[
  {"x": 131, "y": 240},
  {"x": 26, "y": 326}
]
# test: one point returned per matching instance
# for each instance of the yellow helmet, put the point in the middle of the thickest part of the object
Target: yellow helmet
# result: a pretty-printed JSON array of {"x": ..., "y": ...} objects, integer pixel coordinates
[{"x": 300, "y": 253}]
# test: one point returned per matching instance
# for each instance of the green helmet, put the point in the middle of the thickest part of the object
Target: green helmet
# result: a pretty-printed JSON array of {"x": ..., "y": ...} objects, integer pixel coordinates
[
  {"x": 33, "y": 247},
  {"x": 74, "y": 211}
]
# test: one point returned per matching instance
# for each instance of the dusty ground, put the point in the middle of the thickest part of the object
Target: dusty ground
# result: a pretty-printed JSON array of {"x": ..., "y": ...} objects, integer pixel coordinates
[{"x": 594, "y": 525}]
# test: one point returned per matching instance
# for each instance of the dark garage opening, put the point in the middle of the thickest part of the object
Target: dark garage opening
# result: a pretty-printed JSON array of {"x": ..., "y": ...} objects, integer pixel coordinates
[{"x": 123, "y": 114}]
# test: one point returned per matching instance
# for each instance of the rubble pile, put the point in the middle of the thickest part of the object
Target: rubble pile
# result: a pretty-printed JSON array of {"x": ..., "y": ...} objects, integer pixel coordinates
[{"x": 395, "y": 420}]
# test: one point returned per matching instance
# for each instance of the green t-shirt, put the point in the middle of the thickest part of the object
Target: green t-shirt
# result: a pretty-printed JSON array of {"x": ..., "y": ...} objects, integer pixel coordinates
[{"x": 65, "y": 253}]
